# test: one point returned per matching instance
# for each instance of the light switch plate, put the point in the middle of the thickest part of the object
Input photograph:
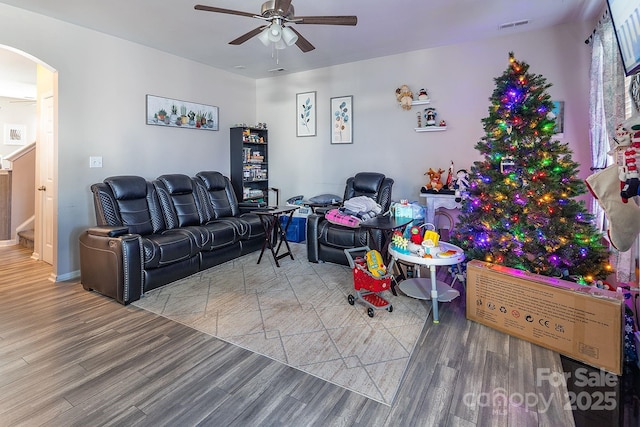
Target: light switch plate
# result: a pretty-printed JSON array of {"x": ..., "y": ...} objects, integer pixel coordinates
[{"x": 95, "y": 161}]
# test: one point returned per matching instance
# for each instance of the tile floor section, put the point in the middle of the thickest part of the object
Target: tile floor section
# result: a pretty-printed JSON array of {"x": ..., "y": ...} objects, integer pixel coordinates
[{"x": 298, "y": 314}]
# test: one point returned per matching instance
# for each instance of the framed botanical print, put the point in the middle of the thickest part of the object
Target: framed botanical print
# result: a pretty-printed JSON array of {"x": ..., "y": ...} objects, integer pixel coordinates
[
  {"x": 342, "y": 120},
  {"x": 306, "y": 114}
]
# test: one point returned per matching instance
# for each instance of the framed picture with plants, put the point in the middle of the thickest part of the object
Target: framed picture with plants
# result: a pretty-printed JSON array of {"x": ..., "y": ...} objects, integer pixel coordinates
[
  {"x": 306, "y": 114},
  {"x": 342, "y": 120},
  {"x": 175, "y": 113}
]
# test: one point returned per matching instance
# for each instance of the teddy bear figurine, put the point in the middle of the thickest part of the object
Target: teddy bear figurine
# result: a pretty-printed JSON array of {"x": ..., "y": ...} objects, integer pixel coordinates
[{"x": 404, "y": 97}]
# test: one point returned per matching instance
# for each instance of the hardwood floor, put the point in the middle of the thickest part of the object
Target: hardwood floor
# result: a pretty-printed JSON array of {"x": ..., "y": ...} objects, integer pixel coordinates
[{"x": 70, "y": 357}]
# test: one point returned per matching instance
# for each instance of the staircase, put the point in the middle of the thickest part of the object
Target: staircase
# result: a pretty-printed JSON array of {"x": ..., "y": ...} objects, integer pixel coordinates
[{"x": 25, "y": 238}]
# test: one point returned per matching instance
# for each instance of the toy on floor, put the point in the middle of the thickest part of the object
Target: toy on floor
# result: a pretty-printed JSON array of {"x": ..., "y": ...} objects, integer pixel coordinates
[
  {"x": 367, "y": 285},
  {"x": 374, "y": 263}
]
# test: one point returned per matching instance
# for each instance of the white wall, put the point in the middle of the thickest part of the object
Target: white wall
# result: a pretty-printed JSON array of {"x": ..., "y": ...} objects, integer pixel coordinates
[
  {"x": 14, "y": 112},
  {"x": 102, "y": 83},
  {"x": 459, "y": 80}
]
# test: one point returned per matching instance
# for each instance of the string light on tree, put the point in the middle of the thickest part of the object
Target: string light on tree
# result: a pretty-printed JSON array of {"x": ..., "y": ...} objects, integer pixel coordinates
[{"x": 522, "y": 211}]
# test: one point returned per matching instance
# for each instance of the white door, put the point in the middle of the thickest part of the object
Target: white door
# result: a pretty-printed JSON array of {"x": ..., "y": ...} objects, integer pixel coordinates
[{"x": 47, "y": 175}]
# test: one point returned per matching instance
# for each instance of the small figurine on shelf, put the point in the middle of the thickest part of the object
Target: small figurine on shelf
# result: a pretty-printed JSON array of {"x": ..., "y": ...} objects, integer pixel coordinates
[
  {"x": 442, "y": 123},
  {"x": 430, "y": 116},
  {"x": 422, "y": 95},
  {"x": 419, "y": 119},
  {"x": 404, "y": 97}
]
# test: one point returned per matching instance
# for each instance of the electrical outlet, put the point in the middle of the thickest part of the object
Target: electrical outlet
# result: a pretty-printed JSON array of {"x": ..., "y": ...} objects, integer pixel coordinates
[{"x": 95, "y": 161}]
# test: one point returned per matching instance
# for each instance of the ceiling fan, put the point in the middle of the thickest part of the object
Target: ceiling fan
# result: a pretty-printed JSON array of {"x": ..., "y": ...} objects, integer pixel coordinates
[{"x": 277, "y": 13}]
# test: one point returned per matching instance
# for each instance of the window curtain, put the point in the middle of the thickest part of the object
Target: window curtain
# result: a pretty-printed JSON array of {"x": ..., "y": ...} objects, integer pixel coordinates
[{"x": 607, "y": 109}]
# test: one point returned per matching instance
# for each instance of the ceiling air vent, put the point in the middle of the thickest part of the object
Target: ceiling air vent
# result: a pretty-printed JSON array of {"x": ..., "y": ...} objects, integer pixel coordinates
[
  {"x": 276, "y": 70},
  {"x": 514, "y": 24}
]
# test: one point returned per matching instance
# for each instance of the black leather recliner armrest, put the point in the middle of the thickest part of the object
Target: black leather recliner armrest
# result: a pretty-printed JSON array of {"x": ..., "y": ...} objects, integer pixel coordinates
[
  {"x": 111, "y": 265},
  {"x": 322, "y": 210},
  {"x": 312, "y": 236},
  {"x": 108, "y": 231}
]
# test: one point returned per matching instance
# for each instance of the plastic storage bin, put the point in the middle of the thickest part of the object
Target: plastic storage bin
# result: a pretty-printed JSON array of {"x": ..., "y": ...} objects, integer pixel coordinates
[{"x": 297, "y": 230}]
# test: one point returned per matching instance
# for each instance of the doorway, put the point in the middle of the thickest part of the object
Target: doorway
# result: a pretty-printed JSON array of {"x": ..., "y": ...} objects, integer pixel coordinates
[{"x": 42, "y": 87}]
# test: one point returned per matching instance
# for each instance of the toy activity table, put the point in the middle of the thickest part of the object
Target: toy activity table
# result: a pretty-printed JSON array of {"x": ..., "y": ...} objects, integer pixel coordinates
[{"x": 429, "y": 288}]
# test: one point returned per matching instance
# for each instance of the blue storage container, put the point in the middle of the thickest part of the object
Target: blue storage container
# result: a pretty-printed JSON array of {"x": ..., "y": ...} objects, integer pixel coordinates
[{"x": 297, "y": 230}]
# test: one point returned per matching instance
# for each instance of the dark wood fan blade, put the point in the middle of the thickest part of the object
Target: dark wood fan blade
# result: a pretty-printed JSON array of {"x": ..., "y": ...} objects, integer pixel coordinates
[
  {"x": 243, "y": 38},
  {"x": 220, "y": 10},
  {"x": 326, "y": 20},
  {"x": 302, "y": 43},
  {"x": 282, "y": 5}
]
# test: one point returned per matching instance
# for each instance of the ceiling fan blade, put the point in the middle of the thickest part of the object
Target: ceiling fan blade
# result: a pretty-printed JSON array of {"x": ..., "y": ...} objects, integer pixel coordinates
[
  {"x": 220, "y": 10},
  {"x": 302, "y": 43},
  {"x": 326, "y": 20},
  {"x": 243, "y": 38},
  {"x": 282, "y": 5}
]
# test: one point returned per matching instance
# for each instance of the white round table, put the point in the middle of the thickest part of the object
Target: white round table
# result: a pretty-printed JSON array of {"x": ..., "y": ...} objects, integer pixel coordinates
[{"x": 423, "y": 288}]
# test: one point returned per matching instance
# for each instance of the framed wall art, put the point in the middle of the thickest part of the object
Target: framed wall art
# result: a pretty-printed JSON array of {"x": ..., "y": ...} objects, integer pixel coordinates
[
  {"x": 342, "y": 120},
  {"x": 558, "y": 112},
  {"x": 174, "y": 113},
  {"x": 15, "y": 134},
  {"x": 306, "y": 114}
]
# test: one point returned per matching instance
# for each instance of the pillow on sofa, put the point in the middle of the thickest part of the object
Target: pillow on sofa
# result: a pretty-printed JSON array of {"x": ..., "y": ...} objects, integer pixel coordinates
[
  {"x": 325, "y": 199},
  {"x": 334, "y": 216}
]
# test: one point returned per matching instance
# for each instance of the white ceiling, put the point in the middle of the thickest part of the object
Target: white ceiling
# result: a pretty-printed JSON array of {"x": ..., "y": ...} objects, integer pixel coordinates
[{"x": 384, "y": 28}]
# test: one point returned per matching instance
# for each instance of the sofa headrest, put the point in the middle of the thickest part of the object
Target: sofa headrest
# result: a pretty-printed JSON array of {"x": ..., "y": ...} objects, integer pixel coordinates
[
  {"x": 213, "y": 181},
  {"x": 127, "y": 187},
  {"x": 367, "y": 182},
  {"x": 177, "y": 183}
]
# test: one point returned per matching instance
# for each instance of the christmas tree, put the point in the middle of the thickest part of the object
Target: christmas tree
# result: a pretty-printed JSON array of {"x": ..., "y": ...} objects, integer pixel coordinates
[{"x": 521, "y": 211}]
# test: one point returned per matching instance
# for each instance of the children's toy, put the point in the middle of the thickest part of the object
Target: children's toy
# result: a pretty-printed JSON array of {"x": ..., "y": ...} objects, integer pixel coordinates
[
  {"x": 404, "y": 97},
  {"x": 366, "y": 285},
  {"x": 415, "y": 235},
  {"x": 435, "y": 182},
  {"x": 374, "y": 263},
  {"x": 399, "y": 242}
]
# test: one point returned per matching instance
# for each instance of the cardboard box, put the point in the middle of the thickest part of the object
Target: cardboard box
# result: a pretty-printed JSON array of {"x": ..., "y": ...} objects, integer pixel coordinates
[
  {"x": 297, "y": 230},
  {"x": 582, "y": 322}
]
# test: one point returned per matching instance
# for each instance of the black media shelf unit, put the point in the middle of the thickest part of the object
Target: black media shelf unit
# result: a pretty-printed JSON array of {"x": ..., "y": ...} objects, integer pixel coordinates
[{"x": 249, "y": 164}]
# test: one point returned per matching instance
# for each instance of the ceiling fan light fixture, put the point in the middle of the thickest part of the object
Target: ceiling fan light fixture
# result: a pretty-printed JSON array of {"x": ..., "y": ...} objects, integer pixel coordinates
[
  {"x": 275, "y": 32},
  {"x": 280, "y": 44},
  {"x": 289, "y": 36},
  {"x": 264, "y": 37}
]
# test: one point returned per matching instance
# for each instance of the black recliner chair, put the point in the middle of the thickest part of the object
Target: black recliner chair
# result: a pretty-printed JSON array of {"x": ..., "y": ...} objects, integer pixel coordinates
[{"x": 327, "y": 241}]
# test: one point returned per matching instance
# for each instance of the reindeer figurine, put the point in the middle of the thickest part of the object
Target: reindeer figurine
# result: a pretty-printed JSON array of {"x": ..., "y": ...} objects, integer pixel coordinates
[{"x": 435, "y": 179}]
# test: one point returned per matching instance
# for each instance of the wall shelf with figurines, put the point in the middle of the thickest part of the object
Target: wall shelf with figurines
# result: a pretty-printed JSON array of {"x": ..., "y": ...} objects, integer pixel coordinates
[
  {"x": 427, "y": 118},
  {"x": 431, "y": 129}
]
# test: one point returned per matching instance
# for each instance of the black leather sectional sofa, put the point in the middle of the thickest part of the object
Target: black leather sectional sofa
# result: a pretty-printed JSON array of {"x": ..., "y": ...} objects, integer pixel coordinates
[{"x": 149, "y": 234}]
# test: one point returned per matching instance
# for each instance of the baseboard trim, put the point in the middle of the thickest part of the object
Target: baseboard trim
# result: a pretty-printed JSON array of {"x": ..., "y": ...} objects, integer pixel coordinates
[{"x": 72, "y": 275}]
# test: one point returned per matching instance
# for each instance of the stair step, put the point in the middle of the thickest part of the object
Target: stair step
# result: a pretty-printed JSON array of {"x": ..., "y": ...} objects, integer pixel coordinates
[{"x": 25, "y": 238}]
